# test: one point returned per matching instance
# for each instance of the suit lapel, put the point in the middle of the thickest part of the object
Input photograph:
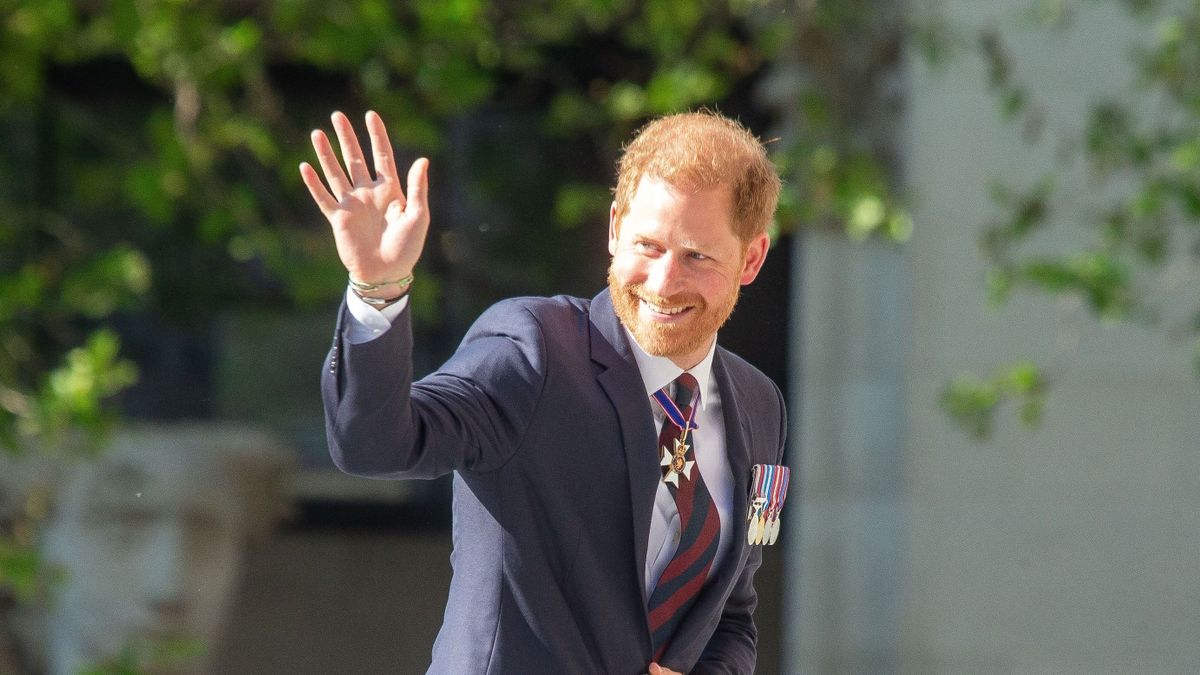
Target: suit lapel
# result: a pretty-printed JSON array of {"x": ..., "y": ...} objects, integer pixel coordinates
[
  {"x": 621, "y": 382},
  {"x": 737, "y": 447}
]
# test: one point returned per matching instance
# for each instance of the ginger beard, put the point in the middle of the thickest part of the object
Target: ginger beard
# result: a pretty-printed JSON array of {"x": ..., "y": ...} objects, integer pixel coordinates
[{"x": 670, "y": 339}]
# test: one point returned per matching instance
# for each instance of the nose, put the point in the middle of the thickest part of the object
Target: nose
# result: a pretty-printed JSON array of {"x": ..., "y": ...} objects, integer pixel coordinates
[{"x": 666, "y": 276}]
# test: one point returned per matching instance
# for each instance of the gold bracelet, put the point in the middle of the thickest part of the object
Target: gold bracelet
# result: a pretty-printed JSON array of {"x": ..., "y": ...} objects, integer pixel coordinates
[{"x": 367, "y": 287}]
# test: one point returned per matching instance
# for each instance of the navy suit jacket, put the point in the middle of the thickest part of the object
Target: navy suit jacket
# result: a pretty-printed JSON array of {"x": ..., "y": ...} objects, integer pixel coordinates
[{"x": 542, "y": 416}]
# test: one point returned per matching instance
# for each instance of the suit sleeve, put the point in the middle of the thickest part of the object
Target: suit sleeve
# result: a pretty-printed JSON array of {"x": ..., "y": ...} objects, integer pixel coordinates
[
  {"x": 733, "y": 648},
  {"x": 470, "y": 415}
]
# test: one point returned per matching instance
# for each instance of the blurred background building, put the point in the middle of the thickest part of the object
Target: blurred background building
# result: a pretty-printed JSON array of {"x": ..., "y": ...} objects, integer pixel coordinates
[
  {"x": 1070, "y": 549},
  {"x": 981, "y": 303}
]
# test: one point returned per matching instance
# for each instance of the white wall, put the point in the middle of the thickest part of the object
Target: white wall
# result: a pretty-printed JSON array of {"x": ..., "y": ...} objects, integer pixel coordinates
[{"x": 1073, "y": 549}]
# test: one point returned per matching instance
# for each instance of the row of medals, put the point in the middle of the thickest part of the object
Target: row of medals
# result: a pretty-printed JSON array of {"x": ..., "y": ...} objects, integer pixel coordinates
[{"x": 763, "y": 523}]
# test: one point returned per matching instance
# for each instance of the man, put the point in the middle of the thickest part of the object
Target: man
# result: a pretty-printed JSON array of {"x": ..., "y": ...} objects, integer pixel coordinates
[{"x": 581, "y": 545}]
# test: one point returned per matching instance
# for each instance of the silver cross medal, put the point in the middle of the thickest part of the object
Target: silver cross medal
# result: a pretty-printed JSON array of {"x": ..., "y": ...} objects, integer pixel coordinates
[{"x": 677, "y": 463}]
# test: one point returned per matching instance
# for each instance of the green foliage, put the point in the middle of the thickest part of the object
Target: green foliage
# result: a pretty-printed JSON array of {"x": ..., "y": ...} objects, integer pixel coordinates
[
  {"x": 20, "y": 568},
  {"x": 839, "y": 157},
  {"x": 72, "y": 395},
  {"x": 1141, "y": 148},
  {"x": 578, "y": 203},
  {"x": 150, "y": 162},
  {"x": 163, "y": 656},
  {"x": 974, "y": 403},
  {"x": 48, "y": 388},
  {"x": 24, "y": 576},
  {"x": 149, "y": 149}
]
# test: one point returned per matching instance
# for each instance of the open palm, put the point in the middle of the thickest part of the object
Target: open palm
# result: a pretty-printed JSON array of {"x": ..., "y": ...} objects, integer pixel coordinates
[{"x": 378, "y": 231}]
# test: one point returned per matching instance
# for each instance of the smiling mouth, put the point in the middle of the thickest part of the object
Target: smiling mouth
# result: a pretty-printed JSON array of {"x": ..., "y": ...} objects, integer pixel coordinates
[{"x": 663, "y": 311}]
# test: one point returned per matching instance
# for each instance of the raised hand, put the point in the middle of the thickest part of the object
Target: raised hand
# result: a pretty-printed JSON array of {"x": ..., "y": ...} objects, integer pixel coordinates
[{"x": 379, "y": 233}]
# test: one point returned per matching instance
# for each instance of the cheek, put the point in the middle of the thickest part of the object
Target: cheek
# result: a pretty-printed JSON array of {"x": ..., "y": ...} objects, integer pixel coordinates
[
  {"x": 711, "y": 282},
  {"x": 628, "y": 269}
]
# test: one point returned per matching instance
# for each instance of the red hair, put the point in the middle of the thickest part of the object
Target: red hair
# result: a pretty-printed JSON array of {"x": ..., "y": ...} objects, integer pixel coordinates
[{"x": 699, "y": 151}]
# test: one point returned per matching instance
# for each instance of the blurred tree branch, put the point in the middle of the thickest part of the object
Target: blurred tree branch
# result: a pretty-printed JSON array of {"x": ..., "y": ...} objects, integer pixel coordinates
[{"x": 1141, "y": 152}]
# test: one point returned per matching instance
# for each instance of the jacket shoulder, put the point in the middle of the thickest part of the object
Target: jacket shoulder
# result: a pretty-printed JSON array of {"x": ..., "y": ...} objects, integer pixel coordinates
[
  {"x": 743, "y": 372},
  {"x": 549, "y": 307},
  {"x": 553, "y": 316},
  {"x": 755, "y": 391}
]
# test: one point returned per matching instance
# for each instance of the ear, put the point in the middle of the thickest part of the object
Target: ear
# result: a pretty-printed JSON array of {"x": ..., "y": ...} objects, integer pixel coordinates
[
  {"x": 756, "y": 255},
  {"x": 612, "y": 229}
]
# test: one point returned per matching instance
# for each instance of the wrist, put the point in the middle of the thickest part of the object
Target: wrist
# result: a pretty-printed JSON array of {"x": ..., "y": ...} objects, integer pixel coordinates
[
  {"x": 376, "y": 288},
  {"x": 381, "y": 294}
]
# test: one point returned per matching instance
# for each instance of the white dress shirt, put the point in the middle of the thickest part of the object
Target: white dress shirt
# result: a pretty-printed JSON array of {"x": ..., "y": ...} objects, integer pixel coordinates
[
  {"x": 711, "y": 459},
  {"x": 657, "y": 372},
  {"x": 369, "y": 323}
]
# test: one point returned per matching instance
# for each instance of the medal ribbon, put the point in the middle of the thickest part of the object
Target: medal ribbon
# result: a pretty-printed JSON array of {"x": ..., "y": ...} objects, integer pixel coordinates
[
  {"x": 772, "y": 487},
  {"x": 779, "y": 489},
  {"x": 768, "y": 488},
  {"x": 673, "y": 412}
]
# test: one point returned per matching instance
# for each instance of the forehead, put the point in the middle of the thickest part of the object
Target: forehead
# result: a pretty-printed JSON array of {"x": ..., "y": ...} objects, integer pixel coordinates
[{"x": 658, "y": 207}]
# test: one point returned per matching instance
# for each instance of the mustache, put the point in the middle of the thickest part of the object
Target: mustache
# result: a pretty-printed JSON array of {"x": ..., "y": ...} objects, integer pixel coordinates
[{"x": 678, "y": 300}]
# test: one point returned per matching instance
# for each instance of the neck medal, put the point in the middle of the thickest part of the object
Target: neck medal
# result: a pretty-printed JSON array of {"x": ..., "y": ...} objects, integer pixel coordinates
[
  {"x": 675, "y": 460},
  {"x": 677, "y": 463}
]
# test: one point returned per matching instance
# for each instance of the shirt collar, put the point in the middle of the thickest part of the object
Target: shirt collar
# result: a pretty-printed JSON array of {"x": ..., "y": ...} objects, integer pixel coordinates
[{"x": 659, "y": 371}]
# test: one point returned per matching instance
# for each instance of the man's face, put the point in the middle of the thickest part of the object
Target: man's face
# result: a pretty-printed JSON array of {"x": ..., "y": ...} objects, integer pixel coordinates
[
  {"x": 677, "y": 267},
  {"x": 151, "y": 548}
]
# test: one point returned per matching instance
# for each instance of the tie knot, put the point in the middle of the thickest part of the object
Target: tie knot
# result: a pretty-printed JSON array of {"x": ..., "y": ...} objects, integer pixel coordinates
[{"x": 685, "y": 389}]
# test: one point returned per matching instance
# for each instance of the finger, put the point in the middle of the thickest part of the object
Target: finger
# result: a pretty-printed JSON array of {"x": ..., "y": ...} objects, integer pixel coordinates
[
  {"x": 418, "y": 187},
  {"x": 381, "y": 148},
  {"x": 316, "y": 188},
  {"x": 338, "y": 183},
  {"x": 351, "y": 152}
]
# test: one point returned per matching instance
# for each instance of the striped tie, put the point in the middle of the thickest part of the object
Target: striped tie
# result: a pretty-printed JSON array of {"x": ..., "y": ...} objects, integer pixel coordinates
[{"x": 699, "y": 524}]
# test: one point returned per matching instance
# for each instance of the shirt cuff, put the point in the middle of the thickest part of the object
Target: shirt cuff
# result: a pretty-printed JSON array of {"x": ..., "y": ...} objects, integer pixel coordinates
[{"x": 367, "y": 323}]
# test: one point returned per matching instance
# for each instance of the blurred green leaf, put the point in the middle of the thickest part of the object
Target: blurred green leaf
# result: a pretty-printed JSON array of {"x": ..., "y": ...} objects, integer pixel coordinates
[
  {"x": 579, "y": 203},
  {"x": 111, "y": 280},
  {"x": 973, "y": 403},
  {"x": 73, "y": 394},
  {"x": 141, "y": 658},
  {"x": 20, "y": 568},
  {"x": 681, "y": 87}
]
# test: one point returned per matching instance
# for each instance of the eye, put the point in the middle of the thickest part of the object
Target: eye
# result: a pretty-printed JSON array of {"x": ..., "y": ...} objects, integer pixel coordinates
[
  {"x": 645, "y": 247},
  {"x": 696, "y": 255}
]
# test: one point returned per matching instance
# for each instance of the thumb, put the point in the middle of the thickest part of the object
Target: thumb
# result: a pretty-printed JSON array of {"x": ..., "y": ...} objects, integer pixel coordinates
[{"x": 418, "y": 186}]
